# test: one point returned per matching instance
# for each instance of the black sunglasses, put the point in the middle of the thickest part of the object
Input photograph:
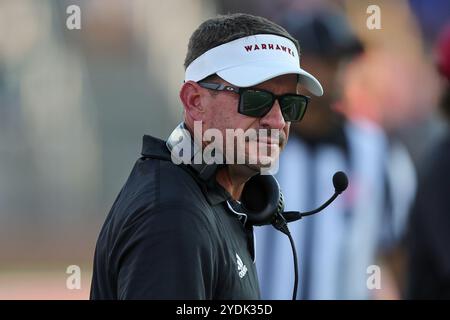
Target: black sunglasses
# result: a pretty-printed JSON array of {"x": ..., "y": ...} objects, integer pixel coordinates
[{"x": 257, "y": 102}]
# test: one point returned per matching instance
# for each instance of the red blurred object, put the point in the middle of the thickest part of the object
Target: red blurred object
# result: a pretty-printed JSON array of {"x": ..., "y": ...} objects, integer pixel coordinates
[{"x": 443, "y": 52}]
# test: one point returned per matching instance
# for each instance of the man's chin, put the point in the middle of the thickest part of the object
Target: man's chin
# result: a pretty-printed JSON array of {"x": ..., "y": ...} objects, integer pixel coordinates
[
  {"x": 263, "y": 163},
  {"x": 260, "y": 167}
]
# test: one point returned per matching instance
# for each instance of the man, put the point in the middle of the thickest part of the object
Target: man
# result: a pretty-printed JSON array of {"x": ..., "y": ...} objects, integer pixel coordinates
[{"x": 172, "y": 233}]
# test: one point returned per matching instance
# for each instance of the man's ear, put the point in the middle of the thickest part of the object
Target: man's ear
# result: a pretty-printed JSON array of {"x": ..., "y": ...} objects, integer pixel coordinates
[{"x": 191, "y": 97}]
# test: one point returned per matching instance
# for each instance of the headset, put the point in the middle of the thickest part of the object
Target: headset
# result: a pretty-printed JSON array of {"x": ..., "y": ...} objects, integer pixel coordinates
[
  {"x": 262, "y": 203},
  {"x": 262, "y": 200}
]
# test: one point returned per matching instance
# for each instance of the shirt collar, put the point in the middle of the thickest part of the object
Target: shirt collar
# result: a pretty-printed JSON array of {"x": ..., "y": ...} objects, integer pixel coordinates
[{"x": 154, "y": 148}]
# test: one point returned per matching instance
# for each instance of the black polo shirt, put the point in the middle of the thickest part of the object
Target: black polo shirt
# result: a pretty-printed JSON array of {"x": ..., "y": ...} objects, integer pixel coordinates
[{"x": 170, "y": 235}]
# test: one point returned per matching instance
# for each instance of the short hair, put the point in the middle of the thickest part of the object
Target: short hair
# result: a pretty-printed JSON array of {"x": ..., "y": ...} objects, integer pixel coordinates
[{"x": 225, "y": 28}]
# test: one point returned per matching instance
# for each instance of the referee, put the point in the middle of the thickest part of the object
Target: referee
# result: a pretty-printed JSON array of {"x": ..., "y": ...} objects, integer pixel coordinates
[{"x": 171, "y": 233}]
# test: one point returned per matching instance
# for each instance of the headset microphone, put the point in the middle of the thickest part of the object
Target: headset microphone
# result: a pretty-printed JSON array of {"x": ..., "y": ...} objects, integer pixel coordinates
[{"x": 340, "y": 183}]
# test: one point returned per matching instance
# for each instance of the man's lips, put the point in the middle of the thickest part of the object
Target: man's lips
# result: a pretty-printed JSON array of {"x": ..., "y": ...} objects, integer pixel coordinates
[{"x": 268, "y": 142}]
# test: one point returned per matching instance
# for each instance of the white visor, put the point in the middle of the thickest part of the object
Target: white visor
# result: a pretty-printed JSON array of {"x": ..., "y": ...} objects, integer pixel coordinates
[{"x": 248, "y": 61}]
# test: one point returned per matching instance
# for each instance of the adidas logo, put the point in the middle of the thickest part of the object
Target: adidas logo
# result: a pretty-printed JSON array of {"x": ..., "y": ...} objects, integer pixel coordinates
[{"x": 242, "y": 269}]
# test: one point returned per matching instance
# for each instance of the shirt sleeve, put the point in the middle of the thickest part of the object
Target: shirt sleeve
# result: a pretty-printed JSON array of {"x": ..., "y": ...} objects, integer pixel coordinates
[{"x": 167, "y": 254}]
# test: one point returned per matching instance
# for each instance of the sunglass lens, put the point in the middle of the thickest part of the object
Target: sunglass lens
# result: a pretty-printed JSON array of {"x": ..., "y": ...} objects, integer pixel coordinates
[
  {"x": 293, "y": 107},
  {"x": 255, "y": 103}
]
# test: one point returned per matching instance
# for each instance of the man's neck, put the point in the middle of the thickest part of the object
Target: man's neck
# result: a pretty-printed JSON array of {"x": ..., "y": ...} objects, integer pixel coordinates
[{"x": 233, "y": 178}]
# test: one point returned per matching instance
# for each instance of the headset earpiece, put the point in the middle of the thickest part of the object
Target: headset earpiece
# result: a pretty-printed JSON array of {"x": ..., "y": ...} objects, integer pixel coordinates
[{"x": 262, "y": 199}]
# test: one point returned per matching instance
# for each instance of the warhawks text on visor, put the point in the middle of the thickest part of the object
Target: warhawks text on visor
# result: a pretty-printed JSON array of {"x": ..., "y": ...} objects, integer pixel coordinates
[
  {"x": 269, "y": 46},
  {"x": 251, "y": 60}
]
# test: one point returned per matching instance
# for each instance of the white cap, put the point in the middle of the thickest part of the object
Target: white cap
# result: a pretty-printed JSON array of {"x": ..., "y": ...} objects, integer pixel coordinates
[{"x": 248, "y": 61}]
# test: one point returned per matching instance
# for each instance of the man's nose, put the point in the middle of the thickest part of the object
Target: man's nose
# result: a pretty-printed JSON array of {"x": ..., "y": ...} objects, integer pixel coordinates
[{"x": 274, "y": 119}]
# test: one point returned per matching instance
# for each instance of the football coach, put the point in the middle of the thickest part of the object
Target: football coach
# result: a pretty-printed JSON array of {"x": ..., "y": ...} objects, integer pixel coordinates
[{"x": 172, "y": 232}]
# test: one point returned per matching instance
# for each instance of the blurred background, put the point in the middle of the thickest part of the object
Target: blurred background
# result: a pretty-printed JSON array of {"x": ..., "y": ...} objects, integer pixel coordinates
[{"x": 74, "y": 105}]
